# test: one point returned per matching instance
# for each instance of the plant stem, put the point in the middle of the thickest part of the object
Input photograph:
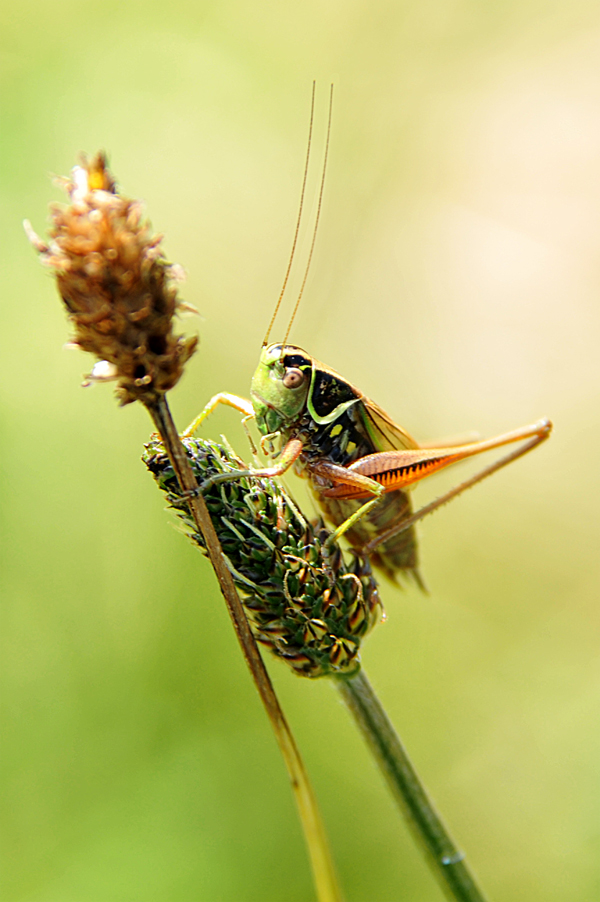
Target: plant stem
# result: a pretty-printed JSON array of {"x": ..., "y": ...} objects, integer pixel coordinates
[
  {"x": 445, "y": 859},
  {"x": 314, "y": 832}
]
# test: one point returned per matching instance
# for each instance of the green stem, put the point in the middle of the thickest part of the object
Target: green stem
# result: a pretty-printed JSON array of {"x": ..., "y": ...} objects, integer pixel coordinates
[
  {"x": 314, "y": 832},
  {"x": 446, "y": 860}
]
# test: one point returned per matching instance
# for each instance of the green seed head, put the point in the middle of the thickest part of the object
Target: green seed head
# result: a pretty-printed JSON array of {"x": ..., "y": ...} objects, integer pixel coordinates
[{"x": 305, "y": 602}]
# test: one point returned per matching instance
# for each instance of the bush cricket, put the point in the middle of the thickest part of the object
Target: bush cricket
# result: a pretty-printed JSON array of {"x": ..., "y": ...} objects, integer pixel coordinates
[{"x": 358, "y": 461}]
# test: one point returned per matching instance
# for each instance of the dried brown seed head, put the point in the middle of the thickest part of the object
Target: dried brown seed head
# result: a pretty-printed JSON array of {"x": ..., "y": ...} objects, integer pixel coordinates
[{"x": 119, "y": 291}]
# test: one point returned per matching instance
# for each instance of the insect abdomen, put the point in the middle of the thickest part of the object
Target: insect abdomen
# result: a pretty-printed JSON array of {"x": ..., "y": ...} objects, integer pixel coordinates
[{"x": 395, "y": 557}]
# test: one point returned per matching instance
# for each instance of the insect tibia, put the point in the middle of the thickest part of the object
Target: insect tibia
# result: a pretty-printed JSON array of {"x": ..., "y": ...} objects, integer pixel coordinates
[{"x": 234, "y": 401}]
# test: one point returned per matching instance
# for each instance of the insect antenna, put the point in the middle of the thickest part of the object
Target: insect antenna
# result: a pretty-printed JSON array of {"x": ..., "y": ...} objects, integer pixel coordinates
[
  {"x": 314, "y": 237},
  {"x": 302, "y": 193}
]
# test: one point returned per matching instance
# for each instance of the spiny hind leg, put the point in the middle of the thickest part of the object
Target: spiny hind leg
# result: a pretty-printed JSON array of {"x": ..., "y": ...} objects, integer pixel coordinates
[
  {"x": 234, "y": 401},
  {"x": 539, "y": 432}
]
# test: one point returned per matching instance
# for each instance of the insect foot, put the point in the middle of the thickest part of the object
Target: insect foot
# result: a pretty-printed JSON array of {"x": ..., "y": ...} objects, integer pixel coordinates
[{"x": 305, "y": 602}]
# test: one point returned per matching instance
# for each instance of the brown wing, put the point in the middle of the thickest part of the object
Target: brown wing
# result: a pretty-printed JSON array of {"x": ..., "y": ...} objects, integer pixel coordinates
[{"x": 386, "y": 435}]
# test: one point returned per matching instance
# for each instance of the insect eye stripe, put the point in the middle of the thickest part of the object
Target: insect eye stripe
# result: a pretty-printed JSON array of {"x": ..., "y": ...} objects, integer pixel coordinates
[{"x": 297, "y": 360}]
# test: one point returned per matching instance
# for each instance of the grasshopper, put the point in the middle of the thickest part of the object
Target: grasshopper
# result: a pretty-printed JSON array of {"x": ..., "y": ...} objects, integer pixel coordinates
[{"x": 360, "y": 464}]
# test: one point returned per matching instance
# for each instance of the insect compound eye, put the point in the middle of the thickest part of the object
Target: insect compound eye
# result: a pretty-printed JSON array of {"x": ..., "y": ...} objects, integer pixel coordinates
[{"x": 293, "y": 377}]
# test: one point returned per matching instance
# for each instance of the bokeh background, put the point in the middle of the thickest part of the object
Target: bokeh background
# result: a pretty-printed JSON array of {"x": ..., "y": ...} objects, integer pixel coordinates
[{"x": 456, "y": 281}]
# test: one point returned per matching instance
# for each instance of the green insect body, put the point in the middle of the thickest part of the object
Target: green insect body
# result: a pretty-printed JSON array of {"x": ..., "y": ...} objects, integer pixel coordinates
[
  {"x": 298, "y": 397},
  {"x": 359, "y": 463}
]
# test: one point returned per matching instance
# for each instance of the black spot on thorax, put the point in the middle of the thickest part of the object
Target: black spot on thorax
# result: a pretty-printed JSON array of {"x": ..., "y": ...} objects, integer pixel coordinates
[{"x": 329, "y": 392}]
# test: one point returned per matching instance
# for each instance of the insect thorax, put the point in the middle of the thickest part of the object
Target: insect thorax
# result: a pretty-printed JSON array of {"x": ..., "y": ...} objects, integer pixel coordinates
[{"x": 341, "y": 442}]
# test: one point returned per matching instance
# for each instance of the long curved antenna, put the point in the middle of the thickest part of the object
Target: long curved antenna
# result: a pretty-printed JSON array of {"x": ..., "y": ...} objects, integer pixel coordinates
[
  {"x": 314, "y": 238},
  {"x": 291, "y": 260}
]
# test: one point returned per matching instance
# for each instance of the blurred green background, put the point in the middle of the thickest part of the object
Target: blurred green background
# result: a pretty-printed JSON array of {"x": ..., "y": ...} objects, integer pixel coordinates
[{"x": 456, "y": 281}]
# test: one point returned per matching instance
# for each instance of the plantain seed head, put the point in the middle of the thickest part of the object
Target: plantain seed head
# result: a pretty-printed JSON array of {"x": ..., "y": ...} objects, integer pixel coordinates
[
  {"x": 119, "y": 291},
  {"x": 305, "y": 602}
]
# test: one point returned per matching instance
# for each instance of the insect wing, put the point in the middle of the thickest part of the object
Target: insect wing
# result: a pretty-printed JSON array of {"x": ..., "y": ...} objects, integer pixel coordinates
[{"x": 384, "y": 433}]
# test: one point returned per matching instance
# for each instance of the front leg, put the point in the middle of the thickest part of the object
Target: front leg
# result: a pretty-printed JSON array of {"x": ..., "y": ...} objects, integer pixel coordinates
[{"x": 234, "y": 401}]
